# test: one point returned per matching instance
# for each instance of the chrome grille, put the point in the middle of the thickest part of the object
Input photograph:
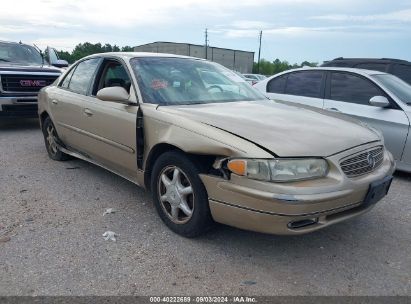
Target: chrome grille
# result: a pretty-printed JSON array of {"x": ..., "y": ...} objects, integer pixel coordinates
[
  {"x": 363, "y": 162},
  {"x": 22, "y": 83}
]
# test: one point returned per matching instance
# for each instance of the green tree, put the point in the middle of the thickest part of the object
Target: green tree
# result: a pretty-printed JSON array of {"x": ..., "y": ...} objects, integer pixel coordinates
[
  {"x": 84, "y": 49},
  {"x": 278, "y": 66}
]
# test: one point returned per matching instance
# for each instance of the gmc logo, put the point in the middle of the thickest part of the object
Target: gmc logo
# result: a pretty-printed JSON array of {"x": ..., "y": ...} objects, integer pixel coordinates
[{"x": 33, "y": 83}]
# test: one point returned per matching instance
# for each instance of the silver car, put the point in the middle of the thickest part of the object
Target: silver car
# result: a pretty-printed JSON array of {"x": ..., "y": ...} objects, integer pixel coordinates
[{"x": 381, "y": 100}]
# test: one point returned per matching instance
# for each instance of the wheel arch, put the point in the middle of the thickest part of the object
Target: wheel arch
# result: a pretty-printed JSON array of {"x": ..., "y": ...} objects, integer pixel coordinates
[{"x": 203, "y": 162}]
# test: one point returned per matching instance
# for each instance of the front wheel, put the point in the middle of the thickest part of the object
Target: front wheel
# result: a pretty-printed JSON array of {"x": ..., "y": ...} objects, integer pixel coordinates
[
  {"x": 51, "y": 140},
  {"x": 179, "y": 195}
]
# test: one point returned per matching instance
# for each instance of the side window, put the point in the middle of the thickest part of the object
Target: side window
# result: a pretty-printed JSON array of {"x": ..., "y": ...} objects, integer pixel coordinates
[
  {"x": 306, "y": 83},
  {"x": 382, "y": 67},
  {"x": 83, "y": 75},
  {"x": 354, "y": 89},
  {"x": 402, "y": 71},
  {"x": 113, "y": 75},
  {"x": 67, "y": 78},
  {"x": 277, "y": 85}
]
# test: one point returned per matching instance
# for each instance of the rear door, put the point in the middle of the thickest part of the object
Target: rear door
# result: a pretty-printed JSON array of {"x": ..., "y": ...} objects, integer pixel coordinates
[
  {"x": 349, "y": 93},
  {"x": 67, "y": 99},
  {"x": 304, "y": 87}
]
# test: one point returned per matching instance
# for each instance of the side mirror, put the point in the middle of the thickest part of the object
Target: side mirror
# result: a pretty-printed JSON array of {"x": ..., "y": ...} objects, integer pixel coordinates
[
  {"x": 60, "y": 63},
  {"x": 116, "y": 94},
  {"x": 379, "y": 101}
]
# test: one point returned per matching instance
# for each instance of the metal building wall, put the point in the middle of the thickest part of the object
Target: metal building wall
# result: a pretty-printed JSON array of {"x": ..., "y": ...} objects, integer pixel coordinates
[{"x": 240, "y": 61}]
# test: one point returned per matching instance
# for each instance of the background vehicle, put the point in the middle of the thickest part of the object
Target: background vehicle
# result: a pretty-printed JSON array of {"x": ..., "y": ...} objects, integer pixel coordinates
[
  {"x": 397, "y": 67},
  {"x": 23, "y": 72},
  {"x": 254, "y": 78},
  {"x": 207, "y": 151},
  {"x": 379, "y": 99}
]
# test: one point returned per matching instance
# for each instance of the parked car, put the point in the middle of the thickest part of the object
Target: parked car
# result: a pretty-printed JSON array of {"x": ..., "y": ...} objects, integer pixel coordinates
[
  {"x": 230, "y": 156},
  {"x": 23, "y": 72},
  {"x": 254, "y": 78},
  {"x": 381, "y": 100},
  {"x": 397, "y": 67}
]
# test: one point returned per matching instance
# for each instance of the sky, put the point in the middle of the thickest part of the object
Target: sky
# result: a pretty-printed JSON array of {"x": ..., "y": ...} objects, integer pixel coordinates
[{"x": 293, "y": 30}]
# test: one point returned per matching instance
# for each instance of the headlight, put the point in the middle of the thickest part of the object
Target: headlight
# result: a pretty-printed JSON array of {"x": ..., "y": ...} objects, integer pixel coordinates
[{"x": 279, "y": 170}]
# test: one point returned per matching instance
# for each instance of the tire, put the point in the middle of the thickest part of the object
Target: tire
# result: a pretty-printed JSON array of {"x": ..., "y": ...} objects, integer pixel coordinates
[
  {"x": 177, "y": 195},
  {"x": 50, "y": 139}
]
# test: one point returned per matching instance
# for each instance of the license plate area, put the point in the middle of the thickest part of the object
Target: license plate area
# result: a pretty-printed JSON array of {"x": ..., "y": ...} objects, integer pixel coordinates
[{"x": 378, "y": 190}]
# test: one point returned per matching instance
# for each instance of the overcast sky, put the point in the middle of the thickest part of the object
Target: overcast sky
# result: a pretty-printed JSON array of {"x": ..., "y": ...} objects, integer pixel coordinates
[{"x": 293, "y": 30}]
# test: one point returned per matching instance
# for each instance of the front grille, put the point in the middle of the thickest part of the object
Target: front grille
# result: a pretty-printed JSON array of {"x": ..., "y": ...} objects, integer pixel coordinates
[
  {"x": 25, "y": 83},
  {"x": 363, "y": 162}
]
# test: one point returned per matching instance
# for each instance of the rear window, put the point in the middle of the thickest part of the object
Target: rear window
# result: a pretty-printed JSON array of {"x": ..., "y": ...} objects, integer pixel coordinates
[
  {"x": 306, "y": 83},
  {"x": 277, "y": 85},
  {"x": 83, "y": 75}
]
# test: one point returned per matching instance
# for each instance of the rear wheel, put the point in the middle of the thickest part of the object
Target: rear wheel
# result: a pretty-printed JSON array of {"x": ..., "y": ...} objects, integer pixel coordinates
[
  {"x": 179, "y": 195},
  {"x": 51, "y": 140}
]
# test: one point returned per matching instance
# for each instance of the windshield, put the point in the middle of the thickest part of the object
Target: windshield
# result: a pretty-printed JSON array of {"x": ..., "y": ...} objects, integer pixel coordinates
[
  {"x": 16, "y": 53},
  {"x": 397, "y": 86},
  {"x": 184, "y": 81}
]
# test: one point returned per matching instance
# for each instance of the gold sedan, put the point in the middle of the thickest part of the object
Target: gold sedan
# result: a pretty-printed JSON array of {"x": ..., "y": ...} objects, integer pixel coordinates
[{"x": 210, "y": 147}]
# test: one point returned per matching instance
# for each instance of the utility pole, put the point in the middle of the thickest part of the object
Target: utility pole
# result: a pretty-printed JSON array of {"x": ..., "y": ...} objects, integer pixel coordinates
[
  {"x": 259, "y": 53},
  {"x": 206, "y": 42}
]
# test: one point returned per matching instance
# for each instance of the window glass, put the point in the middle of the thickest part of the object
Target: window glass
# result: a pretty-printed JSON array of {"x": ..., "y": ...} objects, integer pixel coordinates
[
  {"x": 382, "y": 67},
  {"x": 82, "y": 76},
  {"x": 402, "y": 71},
  {"x": 397, "y": 86},
  {"x": 181, "y": 81},
  {"x": 352, "y": 88},
  {"x": 66, "y": 80},
  {"x": 20, "y": 54},
  {"x": 307, "y": 83},
  {"x": 115, "y": 75},
  {"x": 276, "y": 85}
]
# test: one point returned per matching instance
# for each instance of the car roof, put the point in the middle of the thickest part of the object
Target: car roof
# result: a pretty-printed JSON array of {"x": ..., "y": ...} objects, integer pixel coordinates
[
  {"x": 15, "y": 43},
  {"x": 129, "y": 55},
  {"x": 368, "y": 60},
  {"x": 352, "y": 70}
]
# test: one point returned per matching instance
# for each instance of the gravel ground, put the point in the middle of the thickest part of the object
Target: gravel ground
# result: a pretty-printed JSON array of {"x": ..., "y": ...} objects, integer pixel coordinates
[{"x": 51, "y": 226}]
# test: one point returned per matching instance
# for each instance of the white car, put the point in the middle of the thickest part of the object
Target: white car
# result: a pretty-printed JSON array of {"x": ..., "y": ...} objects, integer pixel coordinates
[
  {"x": 381, "y": 100},
  {"x": 254, "y": 78}
]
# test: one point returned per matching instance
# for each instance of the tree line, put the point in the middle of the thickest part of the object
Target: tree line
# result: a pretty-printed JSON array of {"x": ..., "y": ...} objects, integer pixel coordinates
[
  {"x": 277, "y": 66},
  {"x": 84, "y": 49}
]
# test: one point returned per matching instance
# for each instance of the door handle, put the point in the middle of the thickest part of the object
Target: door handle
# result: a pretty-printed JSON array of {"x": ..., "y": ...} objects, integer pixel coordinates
[
  {"x": 333, "y": 109},
  {"x": 53, "y": 101},
  {"x": 88, "y": 112}
]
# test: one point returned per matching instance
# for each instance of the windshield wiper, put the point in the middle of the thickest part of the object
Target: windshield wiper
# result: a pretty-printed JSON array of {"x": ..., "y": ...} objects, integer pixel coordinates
[{"x": 5, "y": 60}]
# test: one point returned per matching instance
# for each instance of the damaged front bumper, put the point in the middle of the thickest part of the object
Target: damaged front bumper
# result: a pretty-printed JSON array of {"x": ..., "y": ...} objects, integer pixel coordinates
[{"x": 293, "y": 208}]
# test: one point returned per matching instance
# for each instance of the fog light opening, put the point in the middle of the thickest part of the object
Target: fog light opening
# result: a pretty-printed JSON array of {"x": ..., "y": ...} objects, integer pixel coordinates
[{"x": 302, "y": 223}]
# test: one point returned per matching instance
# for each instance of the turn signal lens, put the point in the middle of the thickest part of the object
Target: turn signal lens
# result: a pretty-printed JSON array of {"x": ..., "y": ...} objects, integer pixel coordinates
[{"x": 238, "y": 166}]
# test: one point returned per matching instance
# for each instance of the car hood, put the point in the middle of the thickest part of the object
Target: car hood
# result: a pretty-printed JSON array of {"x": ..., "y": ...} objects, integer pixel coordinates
[
  {"x": 285, "y": 130},
  {"x": 9, "y": 67}
]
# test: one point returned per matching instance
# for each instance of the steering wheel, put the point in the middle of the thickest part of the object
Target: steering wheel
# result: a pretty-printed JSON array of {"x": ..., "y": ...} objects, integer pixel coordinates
[{"x": 215, "y": 87}]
